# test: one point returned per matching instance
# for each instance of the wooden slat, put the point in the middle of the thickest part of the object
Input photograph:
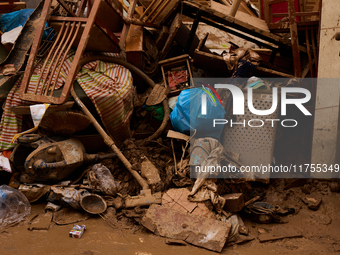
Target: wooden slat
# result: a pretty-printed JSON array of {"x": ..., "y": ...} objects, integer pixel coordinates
[
  {"x": 219, "y": 17},
  {"x": 276, "y": 15},
  {"x": 251, "y": 20},
  {"x": 68, "y": 19}
]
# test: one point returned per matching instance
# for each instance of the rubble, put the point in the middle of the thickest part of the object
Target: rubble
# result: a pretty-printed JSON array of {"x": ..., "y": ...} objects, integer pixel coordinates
[
  {"x": 202, "y": 232},
  {"x": 119, "y": 71}
]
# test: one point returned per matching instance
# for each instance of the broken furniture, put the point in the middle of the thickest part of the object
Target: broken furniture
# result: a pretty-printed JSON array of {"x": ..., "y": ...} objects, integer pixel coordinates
[
  {"x": 77, "y": 31},
  {"x": 172, "y": 63},
  {"x": 158, "y": 11},
  {"x": 173, "y": 30},
  {"x": 215, "y": 62},
  {"x": 234, "y": 26},
  {"x": 291, "y": 23}
]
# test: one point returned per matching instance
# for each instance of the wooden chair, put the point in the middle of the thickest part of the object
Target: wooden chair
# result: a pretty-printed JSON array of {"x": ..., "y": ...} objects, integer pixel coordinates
[{"x": 94, "y": 31}]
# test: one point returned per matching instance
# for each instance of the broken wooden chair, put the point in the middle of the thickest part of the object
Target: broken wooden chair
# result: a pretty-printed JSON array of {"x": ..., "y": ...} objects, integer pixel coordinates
[{"x": 81, "y": 29}]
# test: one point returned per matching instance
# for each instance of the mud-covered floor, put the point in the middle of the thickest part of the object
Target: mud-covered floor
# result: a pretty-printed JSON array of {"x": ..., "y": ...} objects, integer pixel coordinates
[{"x": 320, "y": 230}]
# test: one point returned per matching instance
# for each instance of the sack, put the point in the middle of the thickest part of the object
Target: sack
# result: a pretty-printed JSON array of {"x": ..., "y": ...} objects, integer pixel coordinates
[
  {"x": 14, "y": 206},
  {"x": 187, "y": 114}
]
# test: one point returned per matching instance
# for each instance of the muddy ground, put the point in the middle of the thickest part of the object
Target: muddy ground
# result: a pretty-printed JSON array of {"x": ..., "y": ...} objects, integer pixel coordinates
[{"x": 319, "y": 229}]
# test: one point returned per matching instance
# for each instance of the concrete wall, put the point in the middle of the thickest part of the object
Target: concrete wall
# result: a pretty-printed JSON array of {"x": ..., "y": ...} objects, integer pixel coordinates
[{"x": 327, "y": 100}]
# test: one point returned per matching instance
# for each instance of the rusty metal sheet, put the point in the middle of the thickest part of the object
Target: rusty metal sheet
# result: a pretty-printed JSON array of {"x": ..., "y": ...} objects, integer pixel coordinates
[{"x": 200, "y": 231}]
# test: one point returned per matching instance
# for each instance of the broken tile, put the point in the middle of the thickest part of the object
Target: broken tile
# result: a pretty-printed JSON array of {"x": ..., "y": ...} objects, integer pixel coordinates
[{"x": 200, "y": 231}]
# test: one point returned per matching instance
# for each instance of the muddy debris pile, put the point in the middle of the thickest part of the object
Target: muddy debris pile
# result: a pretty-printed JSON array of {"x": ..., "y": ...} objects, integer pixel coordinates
[{"x": 124, "y": 111}]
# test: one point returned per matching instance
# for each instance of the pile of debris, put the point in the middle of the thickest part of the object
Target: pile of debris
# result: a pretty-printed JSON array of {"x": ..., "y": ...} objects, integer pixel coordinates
[{"x": 116, "y": 79}]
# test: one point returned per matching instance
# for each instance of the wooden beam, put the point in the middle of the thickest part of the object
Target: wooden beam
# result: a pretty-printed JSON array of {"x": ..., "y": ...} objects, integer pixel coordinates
[
  {"x": 217, "y": 17},
  {"x": 234, "y": 8}
]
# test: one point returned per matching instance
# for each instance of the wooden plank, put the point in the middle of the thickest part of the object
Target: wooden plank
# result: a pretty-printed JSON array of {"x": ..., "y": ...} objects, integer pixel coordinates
[
  {"x": 239, "y": 34},
  {"x": 162, "y": 37},
  {"x": 234, "y": 8},
  {"x": 277, "y": 15},
  {"x": 285, "y": 26},
  {"x": 219, "y": 17},
  {"x": 215, "y": 62},
  {"x": 316, "y": 8},
  {"x": 76, "y": 19},
  {"x": 169, "y": 62},
  {"x": 175, "y": 25},
  {"x": 177, "y": 135},
  {"x": 251, "y": 20},
  {"x": 279, "y": 232},
  {"x": 25, "y": 109}
]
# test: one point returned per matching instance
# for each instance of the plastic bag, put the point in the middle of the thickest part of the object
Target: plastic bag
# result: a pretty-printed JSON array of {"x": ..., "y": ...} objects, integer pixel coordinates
[
  {"x": 187, "y": 114},
  {"x": 9, "y": 21},
  {"x": 101, "y": 178},
  {"x": 14, "y": 206}
]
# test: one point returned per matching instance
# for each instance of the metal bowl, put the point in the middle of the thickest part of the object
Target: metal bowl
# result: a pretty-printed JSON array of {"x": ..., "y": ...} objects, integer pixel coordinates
[{"x": 93, "y": 204}]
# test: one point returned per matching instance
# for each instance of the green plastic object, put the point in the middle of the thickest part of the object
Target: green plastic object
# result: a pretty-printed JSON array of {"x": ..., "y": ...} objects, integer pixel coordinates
[{"x": 157, "y": 111}]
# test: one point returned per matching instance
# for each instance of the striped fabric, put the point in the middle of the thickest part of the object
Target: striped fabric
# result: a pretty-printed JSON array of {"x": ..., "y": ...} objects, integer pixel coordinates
[{"x": 109, "y": 86}]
